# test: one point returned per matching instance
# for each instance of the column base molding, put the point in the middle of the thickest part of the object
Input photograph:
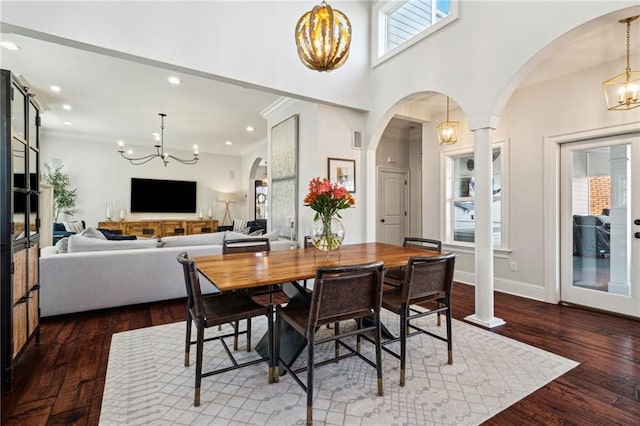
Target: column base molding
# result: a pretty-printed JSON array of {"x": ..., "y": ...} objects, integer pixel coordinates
[{"x": 492, "y": 322}]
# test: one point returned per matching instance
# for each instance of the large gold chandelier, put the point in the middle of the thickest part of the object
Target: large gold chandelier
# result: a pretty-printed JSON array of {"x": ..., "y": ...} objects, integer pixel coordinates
[
  {"x": 621, "y": 91},
  {"x": 323, "y": 37}
]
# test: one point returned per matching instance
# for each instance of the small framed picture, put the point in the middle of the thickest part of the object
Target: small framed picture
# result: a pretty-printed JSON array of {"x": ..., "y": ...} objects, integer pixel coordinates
[{"x": 343, "y": 172}]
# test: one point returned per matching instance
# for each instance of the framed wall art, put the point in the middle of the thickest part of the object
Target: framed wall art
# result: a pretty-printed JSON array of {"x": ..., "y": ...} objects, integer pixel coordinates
[
  {"x": 284, "y": 177},
  {"x": 343, "y": 172}
]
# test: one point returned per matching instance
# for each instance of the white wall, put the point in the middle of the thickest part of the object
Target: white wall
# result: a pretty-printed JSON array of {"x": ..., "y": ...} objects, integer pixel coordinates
[
  {"x": 101, "y": 175},
  {"x": 563, "y": 105},
  {"x": 324, "y": 132}
]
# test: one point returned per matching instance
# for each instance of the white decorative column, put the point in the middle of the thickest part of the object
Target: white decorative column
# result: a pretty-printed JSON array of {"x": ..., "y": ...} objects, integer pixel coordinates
[{"x": 483, "y": 158}]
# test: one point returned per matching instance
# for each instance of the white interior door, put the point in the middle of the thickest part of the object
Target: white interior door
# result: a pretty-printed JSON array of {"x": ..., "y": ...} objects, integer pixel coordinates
[
  {"x": 600, "y": 224},
  {"x": 392, "y": 208}
]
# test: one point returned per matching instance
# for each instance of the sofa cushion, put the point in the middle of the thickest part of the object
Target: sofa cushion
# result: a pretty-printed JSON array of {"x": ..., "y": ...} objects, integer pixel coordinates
[
  {"x": 92, "y": 233},
  {"x": 215, "y": 238},
  {"x": 78, "y": 243},
  {"x": 62, "y": 246},
  {"x": 272, "y": 236}
]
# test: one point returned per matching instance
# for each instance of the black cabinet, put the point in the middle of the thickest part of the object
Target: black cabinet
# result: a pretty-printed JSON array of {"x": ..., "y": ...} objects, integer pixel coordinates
[{"x": 19, "y": 222}]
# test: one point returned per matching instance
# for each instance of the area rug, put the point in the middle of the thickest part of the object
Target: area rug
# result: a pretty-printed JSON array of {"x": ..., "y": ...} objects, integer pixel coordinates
[{"x": 147, "y": 384}]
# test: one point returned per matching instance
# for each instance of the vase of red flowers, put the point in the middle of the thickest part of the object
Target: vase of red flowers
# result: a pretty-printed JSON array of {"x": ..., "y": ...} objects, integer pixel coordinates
[{"x": 327, "y": 199}]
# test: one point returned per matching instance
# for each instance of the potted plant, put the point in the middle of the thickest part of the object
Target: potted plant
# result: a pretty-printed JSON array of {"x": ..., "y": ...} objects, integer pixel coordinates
[{"x": 64, "y": 197}]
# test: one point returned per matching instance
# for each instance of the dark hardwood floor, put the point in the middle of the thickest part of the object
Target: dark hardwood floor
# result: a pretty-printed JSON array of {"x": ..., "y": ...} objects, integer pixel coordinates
[{"x": 61, "y": 380}]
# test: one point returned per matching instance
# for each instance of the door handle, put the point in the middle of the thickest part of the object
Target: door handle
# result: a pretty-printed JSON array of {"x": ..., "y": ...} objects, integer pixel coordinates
[
  {"x": 636, "y": 222},
  {"x": 637, "y": 235},
  {"x": 382, "y": 220}
]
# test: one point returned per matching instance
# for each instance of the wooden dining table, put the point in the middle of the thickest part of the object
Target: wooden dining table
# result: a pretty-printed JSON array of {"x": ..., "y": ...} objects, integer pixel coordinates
[
  {"x": 248, "y": 270},
  {"x": 237, "y": 271}
]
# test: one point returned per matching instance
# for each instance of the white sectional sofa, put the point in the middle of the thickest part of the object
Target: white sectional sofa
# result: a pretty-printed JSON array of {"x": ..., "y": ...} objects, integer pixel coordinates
[{"x": 100, "y": 277}]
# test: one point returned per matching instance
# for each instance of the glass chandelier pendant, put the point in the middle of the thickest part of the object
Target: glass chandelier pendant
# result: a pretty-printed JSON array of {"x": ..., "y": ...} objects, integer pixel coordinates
[
  {"x": 448, "y": 130},
  {"x": 323, "y": 38},
  {"x": 621, "y": 91},
  {"x": 159, "y": 146}
]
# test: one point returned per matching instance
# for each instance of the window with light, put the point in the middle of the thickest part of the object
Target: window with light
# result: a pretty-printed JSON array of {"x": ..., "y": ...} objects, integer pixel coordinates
[
  {"x": 399, "y": 24},
  {"x": 460, "y": 196}
]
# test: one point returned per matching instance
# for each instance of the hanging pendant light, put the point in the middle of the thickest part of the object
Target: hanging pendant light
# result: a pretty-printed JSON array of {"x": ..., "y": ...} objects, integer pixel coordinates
[
  {"x": 448, "y": 130},
  {"x": 621, "y": 91},
  {"x": 160, "y": 153},
  {"x": 323, "y": 37}
]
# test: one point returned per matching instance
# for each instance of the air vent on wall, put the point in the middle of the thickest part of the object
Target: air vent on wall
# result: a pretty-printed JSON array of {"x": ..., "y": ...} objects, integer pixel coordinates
[{"x": 356, "y": 140}]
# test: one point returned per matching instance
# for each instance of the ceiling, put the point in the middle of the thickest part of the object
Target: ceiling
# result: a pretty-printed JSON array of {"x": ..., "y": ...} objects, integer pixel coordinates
[{"x": 115, "y": 99}]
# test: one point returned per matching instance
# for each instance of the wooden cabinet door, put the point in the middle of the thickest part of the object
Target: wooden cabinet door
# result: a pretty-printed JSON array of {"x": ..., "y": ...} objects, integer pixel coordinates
[
  {"x": 173, "y": 227},
  {"x": 200, "y": 226},
  {"x": 19, "y": 327},
  {"x": 144, "y": 228},
  {"x": 19, "y": 275},
  {"x": 34, "y": 270},
  {"x": 33, "y": 304}
]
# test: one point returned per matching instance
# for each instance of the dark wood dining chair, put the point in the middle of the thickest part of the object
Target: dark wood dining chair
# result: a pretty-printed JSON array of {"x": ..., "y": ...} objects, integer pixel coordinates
[
  {"x": 394, "y": 276},
  {"x": 214, "y": 310},
  {"x": 340, "y": 293},
  {"x": 247, "y": 245},
  {"x": 427, "y": 279}
]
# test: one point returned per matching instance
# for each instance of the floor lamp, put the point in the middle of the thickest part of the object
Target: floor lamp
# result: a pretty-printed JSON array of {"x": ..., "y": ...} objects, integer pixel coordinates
[{"x": 226, "y": 198}]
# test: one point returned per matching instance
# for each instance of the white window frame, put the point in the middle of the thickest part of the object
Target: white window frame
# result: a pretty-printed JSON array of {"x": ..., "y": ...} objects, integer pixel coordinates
[
  {"x": 379, "y": 28},
  {"x": 448, "y": 183}
]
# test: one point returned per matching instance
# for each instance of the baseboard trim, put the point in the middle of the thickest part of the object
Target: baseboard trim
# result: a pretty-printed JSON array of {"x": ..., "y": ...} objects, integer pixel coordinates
[{"x": 516, "y": 288}]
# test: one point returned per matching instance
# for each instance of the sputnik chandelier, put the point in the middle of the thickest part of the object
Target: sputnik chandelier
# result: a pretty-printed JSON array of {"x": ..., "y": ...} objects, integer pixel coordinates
[
  {"x": 159, "y": 146},
  {"x": 323, "y": 37}
]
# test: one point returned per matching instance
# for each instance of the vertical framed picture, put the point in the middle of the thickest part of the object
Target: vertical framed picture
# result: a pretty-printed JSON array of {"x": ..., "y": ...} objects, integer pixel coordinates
[{"x": 343, "y": 172}]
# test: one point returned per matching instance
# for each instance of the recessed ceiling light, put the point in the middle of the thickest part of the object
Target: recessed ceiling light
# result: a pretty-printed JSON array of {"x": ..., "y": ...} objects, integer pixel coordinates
[
  {"x": 68, "y": 123},
  {"x": 175, "y": 80},
  {"x": 227, "y": 143},
  {"x": 249, "y": 128},
  {"x": 9, "y": 45},
  {"x": 66, "y": 106},
  {"x": 54, "y": 88}
]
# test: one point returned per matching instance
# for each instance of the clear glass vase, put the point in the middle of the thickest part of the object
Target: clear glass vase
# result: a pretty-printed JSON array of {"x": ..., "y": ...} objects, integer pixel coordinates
[{"x": 327, "y": 233}]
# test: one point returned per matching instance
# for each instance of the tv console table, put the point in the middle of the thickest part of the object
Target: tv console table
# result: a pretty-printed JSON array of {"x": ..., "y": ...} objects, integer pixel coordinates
[{"x": 161, "y": 228}]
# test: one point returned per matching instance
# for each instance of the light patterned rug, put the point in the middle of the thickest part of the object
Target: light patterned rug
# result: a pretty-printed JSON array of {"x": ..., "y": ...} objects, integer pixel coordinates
[{"x": 147, "y": 384}]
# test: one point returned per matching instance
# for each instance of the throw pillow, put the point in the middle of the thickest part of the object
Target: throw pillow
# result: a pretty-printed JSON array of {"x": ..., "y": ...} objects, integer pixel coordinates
[
  {"x": 256, "y": 233},
  {"x": 246, "y": 230},
  {"x": 77, "y": 226},
  {"x": 62, "y": 246},
  {"x": 92, "y": 233},
  {"x": 239, "y": 225}
]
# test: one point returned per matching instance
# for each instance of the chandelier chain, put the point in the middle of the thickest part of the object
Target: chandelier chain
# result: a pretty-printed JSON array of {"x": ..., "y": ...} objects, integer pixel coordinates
[{"x": 628, "y": 46}]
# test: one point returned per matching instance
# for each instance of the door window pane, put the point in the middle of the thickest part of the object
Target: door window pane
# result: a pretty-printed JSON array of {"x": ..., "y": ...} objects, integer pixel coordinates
[{"x": 600, "y": 219}]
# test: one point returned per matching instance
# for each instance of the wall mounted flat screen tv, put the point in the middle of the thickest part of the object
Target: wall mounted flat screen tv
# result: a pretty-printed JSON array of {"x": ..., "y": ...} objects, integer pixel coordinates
[{"x": 162, "y": 196}]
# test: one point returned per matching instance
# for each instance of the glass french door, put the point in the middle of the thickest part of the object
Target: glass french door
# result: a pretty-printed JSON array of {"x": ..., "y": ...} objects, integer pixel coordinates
[{"x": 600, "y": 224}]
